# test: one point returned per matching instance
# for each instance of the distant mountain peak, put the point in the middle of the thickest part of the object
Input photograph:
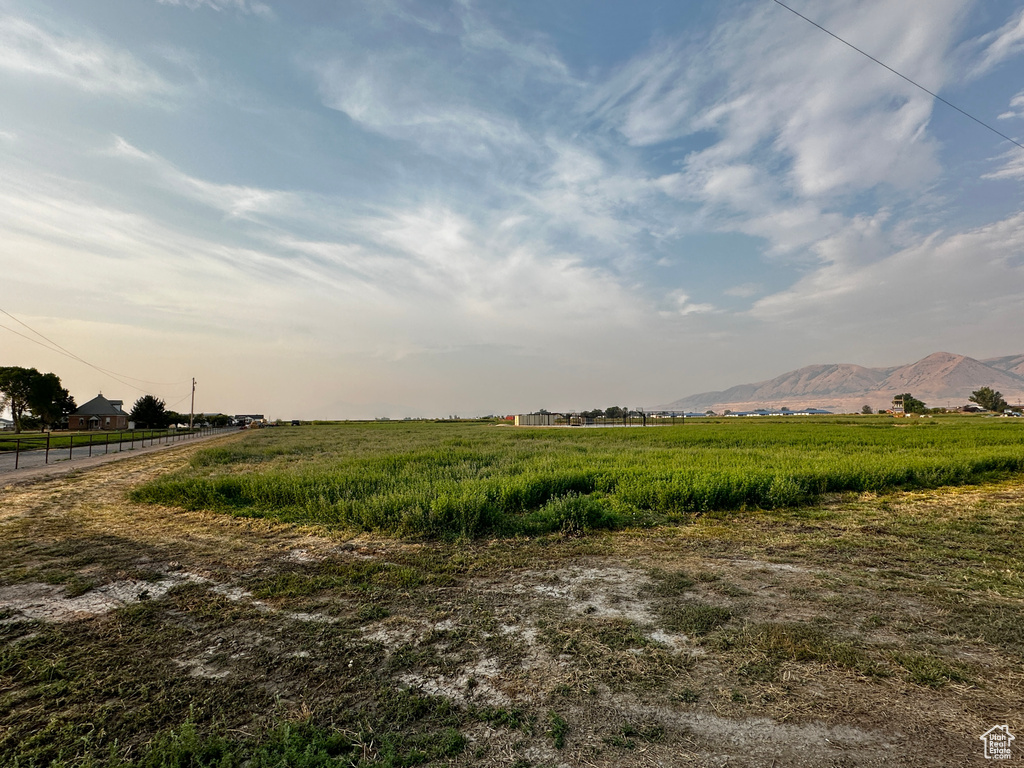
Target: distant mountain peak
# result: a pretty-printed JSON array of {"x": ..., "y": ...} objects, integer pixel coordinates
[{"x": 940, "y": 379}]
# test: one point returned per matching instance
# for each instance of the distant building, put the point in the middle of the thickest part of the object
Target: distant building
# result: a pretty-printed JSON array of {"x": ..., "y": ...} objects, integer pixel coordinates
[
  {"x": 99, "y": 413},
  {"x": 897, "y": 408},
  {"x": 786, "y": 412},
  {"x": 537, "y": 419}
]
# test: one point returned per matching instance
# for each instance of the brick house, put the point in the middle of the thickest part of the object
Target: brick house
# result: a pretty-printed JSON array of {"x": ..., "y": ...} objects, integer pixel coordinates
[{"x": 99, "y": 413}]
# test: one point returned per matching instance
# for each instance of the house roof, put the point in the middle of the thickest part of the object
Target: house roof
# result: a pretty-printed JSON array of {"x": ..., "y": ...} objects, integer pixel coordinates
[{"x": 100, "y": 406}]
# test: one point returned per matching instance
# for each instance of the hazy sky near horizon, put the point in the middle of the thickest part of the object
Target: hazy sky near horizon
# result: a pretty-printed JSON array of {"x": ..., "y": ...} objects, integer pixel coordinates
[{"x": 353, "y": 209}]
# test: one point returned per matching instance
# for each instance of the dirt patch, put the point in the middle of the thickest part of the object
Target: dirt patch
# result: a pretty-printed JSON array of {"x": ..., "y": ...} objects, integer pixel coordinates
[{"x": 48, "y": 602}]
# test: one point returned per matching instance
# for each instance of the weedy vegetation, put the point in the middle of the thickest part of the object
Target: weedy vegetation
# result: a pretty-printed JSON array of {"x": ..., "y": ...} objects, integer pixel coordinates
[{"x": 465, "y": 481}]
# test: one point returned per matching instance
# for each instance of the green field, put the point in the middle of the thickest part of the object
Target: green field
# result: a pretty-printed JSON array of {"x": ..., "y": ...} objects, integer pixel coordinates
[{"x": 468, "y": 480}]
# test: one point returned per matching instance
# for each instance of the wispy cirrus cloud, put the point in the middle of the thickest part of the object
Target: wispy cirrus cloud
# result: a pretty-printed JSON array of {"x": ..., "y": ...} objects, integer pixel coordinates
[
  {"x": 395, "y": 94},
  {"x": 961, "y": 275},
  {"x": 451, "y": 259},
  {"x": 445, "y": 79},
  {"x": 781, "y": 124},
  {"x": 1016, "y": 109},
  {"x": 1012, "y": 165},
  {"x": 241, "y": 6},
  {"x": 744, "y": 290},
  {"x": 681, "y": 305},
  {"x": 1000, "y": 45},
  {"x": 652, "y": 98},
  {"x": 84, "y": 63},
  {"x": 232, "y": 199}
]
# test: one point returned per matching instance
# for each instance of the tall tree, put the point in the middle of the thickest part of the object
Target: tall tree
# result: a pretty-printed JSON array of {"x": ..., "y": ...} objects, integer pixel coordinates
[
  {"x": 989, "y": 399},
  {"x": 48, "y": 400},
  {"x": 911, "y": 404},
  {"x": 150, "y": 412},
  {"x": 15, "y": 391}
]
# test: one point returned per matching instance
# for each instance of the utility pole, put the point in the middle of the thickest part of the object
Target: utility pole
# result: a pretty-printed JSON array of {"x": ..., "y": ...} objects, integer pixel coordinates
[{"x": 192, "y": 413}]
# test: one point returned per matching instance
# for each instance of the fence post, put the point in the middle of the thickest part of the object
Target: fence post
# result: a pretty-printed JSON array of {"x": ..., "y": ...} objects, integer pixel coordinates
[
  {"x": 17, "y": 451},
  {"x": 46, "y": 460}
]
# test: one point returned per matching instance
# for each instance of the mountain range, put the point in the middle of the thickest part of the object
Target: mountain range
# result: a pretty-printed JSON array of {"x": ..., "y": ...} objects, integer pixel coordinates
[{"x": 941, "y": 379}]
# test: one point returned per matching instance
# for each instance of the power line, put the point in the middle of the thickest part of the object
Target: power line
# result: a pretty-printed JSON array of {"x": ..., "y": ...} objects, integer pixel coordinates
[
  {"x": 179, "y": 401},
  {"x": 34, "y": 341},
  {"x": 68, "y": 353},
  {"x": 900, "y": 74}
]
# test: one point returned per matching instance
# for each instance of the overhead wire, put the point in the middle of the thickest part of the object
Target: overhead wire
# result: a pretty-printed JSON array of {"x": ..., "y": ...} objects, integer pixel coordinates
[
  {"x": 934, "y": 95},
  {"x": 71, "y": 354},
  {"x": 55, "y": 347},
  {"x": 181, "y": 400}
]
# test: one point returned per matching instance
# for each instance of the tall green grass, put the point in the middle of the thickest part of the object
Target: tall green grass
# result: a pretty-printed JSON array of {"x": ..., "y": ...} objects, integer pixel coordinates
[{"x": 458, "y": 480}]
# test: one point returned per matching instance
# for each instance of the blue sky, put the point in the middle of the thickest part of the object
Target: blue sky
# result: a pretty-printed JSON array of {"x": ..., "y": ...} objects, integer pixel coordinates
[{"x": 356, "y": 209}]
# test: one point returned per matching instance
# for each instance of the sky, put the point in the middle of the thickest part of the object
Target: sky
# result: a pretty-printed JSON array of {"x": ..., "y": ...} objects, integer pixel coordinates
[{"x": 345, "y": 209}]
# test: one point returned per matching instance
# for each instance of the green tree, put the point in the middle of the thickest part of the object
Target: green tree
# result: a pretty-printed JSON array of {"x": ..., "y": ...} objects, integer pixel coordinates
[
  {"x": 912, "y": 405},
  {"x": 49, "y": 402},
  {"x": 15, "y": 389},
  {"x": 866, "y": 410},
  {"x": 989, "y": 399},
  {"x": 149, "y": 412},
  {"x": 33, "y": 396}
]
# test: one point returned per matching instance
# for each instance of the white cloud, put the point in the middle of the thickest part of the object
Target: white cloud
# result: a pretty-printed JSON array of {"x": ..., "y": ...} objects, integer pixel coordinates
[
  {"x": 232, "y": 199},
  {"x": 681, "y": 305},
  {"x": 396, "y": 94},
  {"x": 1012, "y": 166},
  {"x": 651, "y": 99},
  {"x": 1003, "y": 44},
  {"x": 1016, "y": 109},
  {"x": 241, "y": 6},
  {"x": 457, "y": 86},
  {"x": 86, "y": 64},
  {"x": 744, "y": 291},
  {"x": 535, "y": 56},
  {"x": 493, "y": 275},
  {"x": 774, "y": 89},
  {"x": 955, "y": 287}
]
